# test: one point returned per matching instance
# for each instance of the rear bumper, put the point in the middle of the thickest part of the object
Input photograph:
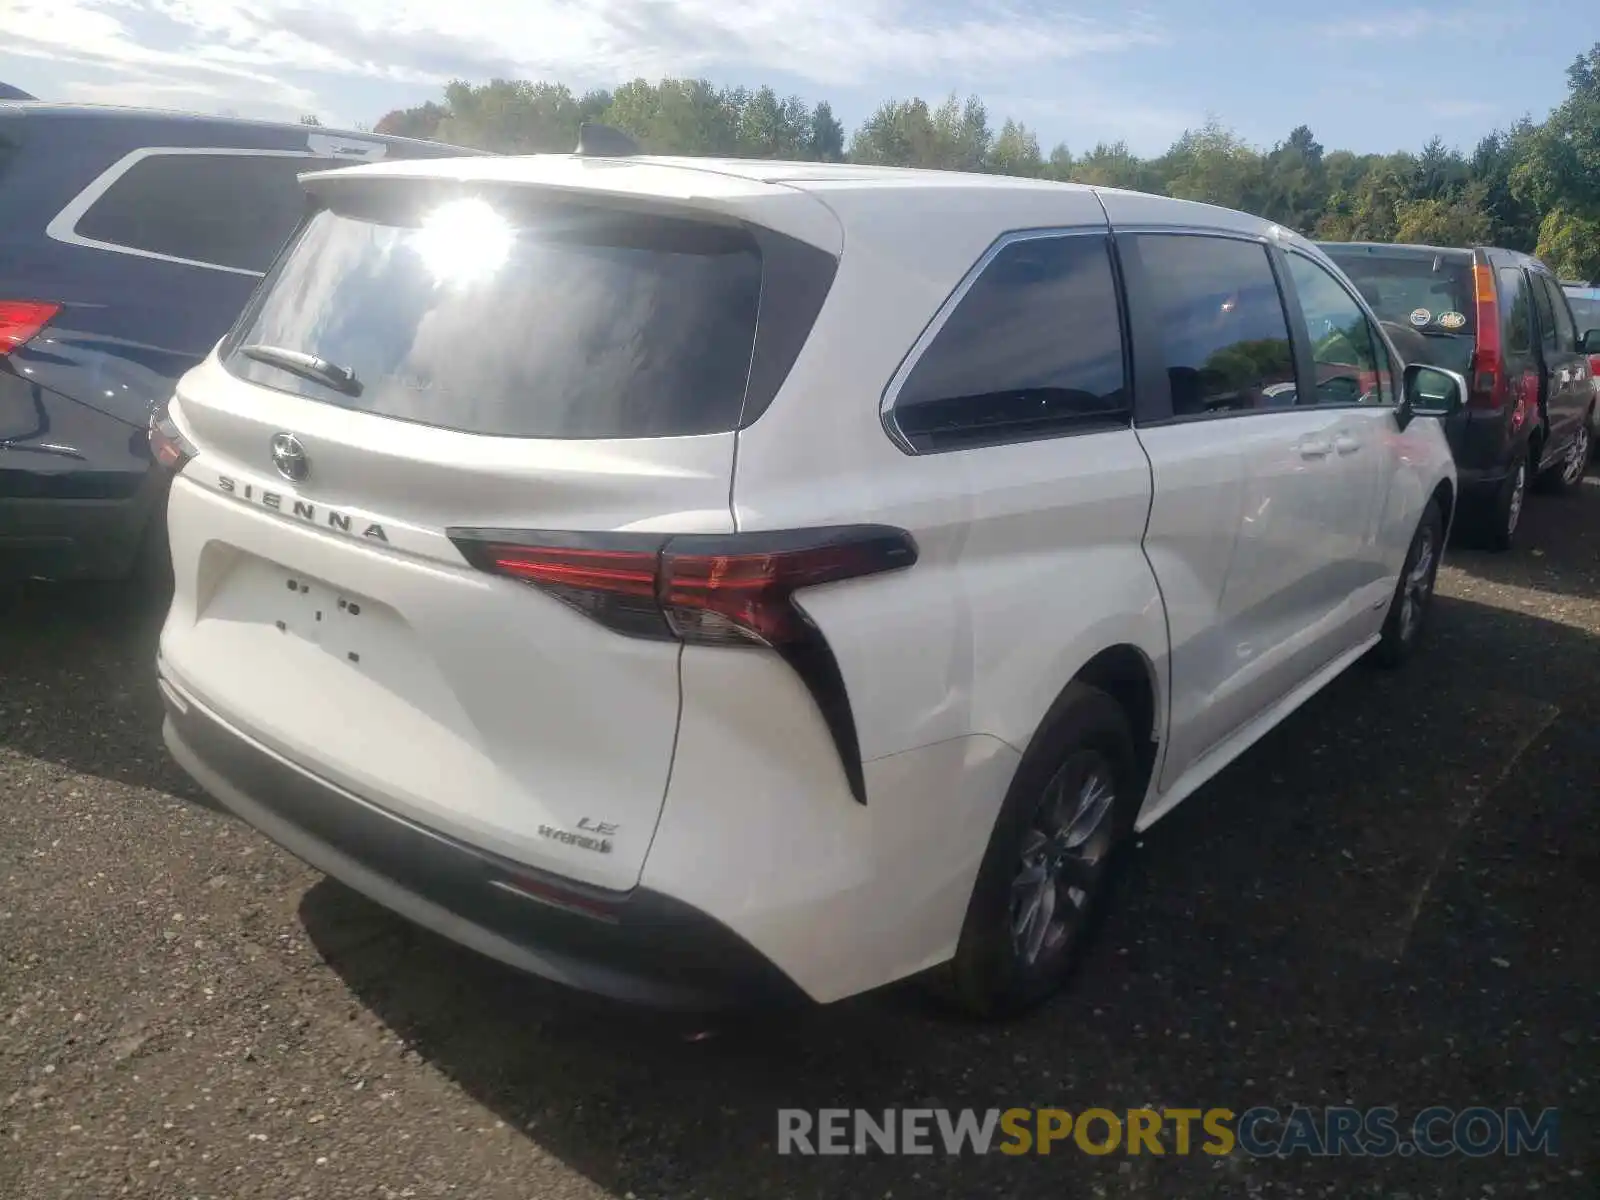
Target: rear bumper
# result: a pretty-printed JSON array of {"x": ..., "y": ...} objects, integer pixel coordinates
[
  {"x": 638, "y": 946},
  {"x": 71, "y": 538}
]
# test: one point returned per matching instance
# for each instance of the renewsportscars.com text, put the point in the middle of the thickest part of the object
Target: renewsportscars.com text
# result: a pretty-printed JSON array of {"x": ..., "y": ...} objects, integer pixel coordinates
[{"x": 1436, "y": 1132}]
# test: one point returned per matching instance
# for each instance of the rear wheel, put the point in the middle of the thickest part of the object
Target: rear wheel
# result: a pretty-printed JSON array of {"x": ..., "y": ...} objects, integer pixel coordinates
[
  {"x": 1048, "y": 860},
  {"x": 1413, "y": 594},
  {"x": 1505, "y": 513}
]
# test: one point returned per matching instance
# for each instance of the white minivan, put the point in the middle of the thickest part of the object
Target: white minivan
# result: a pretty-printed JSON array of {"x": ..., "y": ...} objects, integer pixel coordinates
[{"x": 700, "y": 581}]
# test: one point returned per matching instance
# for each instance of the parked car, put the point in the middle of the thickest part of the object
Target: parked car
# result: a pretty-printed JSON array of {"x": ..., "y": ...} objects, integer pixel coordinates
[
  {"x": 130, "y": 242},
  {"x": 698, "y": 580},
  {"x": 1500, "y": 318},
  {"x": 1584, "y": 300}
]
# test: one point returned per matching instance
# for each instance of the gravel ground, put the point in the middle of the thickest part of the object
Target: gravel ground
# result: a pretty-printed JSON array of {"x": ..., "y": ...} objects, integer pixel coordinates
[{"x": 1390, "y": 901}]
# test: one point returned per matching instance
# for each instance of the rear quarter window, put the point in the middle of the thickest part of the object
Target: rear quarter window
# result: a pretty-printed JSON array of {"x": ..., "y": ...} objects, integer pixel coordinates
[
  {"x": 1032, "y": 349},
  {"x": 559, "y": 323},
  {"x": 215, "y": 208}
]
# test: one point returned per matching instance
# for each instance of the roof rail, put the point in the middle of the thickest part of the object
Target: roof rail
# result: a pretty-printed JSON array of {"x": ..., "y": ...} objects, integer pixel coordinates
[{"x": 602, "y": 141}]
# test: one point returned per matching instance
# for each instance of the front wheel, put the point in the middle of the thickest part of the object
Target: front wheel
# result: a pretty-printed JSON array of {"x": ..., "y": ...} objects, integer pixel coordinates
[
  {"x": 1048, "y": 860},
  {"x": 1413, "y": 594},
  {"x": 1569, "y": 474}
]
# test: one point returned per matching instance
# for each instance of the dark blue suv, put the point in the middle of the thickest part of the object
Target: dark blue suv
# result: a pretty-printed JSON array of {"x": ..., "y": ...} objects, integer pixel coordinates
[{"x": 131, "y": 240}]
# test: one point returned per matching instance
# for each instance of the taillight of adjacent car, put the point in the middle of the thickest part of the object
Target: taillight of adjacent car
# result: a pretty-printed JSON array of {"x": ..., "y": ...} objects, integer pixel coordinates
[
  {"x": 21, "y": 321},
  {"x": 1489, "y": 386}
]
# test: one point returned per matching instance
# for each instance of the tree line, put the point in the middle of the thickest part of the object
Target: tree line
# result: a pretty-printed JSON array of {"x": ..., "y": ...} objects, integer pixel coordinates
[{"x": 1534, "y": 186}]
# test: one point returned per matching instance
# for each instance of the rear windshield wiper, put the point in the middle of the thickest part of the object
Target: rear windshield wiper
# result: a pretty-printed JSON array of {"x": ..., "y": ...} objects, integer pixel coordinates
[{"x": 307, "y": 366}]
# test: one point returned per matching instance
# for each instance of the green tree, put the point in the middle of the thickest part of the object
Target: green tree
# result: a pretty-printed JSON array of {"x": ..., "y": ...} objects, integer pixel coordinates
[
  {"x": 1016, "y": 151},
  {"x": 419, "y": 122},
  {"x": 1294, "y": 185},
  {"x": 827, "y": 134},
  {"x": 1459, "y": 222},
  {"x": 1570, "y": 244},
  {"x": 677, "y": 116},
  {"x": 1214, "y": 165},
  {"x": 1060, "y": 164},
  {"x": 1560, "y": 168},
  {"x": 1513, "y": 220},
  {"x": 1113, "y": 165}
]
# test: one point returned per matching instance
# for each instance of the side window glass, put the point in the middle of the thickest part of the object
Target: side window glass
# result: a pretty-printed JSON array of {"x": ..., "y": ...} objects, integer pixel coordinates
[
  {"x": 1566, "y": 332},
  {"x": 227, "y": 210},
  {"x": 1516, "y": 320},
  {"x": 1223, "y": 330},
  {"x": 1547, "y": 314},
  {"x": 1033, "y": 349},
  {"x": 1344, "y": 349}
]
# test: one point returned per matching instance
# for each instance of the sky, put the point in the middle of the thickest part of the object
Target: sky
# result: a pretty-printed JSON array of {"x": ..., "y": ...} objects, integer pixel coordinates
[{"x": 1365, "y": 75}]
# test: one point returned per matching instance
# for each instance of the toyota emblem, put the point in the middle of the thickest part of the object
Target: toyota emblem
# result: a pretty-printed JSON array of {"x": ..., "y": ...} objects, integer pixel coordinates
[{"x": 289, "y": 456}]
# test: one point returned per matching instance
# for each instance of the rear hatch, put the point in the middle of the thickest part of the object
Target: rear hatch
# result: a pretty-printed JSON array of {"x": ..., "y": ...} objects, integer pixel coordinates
[
  {"x": 1421, "y": 289},
  {"x": 427, "y": 358}
]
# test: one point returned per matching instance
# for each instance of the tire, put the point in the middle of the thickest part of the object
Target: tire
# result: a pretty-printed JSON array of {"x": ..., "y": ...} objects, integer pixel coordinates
[
  {"x": 1567, "y": 474},
  {"x": 1051, "y": 854},
  {"x": 1413, "y": 594},
  {"x": 1505, "y": 513}
]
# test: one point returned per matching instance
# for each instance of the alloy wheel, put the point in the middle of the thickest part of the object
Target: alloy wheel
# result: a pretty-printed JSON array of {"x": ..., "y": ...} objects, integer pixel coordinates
[
  {"x": 1418, "y": 586},
  {"x": 1577, "y": 457},
  {"x": 1064, "y": 855},
  {"x": 1519, "y": 492}
]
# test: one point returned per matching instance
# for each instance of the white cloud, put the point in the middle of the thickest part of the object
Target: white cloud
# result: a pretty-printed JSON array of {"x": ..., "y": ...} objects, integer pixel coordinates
[
  {"x": 1408, "y": 23},
  {"x": 1460, "y": 109},
  {"x": 242, "y": 49}
]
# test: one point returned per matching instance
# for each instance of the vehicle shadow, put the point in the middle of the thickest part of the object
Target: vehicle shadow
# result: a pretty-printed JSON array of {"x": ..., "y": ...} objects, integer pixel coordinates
[
  {"x": 1322, "y": 924},
  {"x": 77, "y": 681},
  {"x": 1557, "y": 550}
]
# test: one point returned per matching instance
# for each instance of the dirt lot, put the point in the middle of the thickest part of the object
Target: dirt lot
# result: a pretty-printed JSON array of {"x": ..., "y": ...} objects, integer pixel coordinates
[{"x": 1390, "y": 901}]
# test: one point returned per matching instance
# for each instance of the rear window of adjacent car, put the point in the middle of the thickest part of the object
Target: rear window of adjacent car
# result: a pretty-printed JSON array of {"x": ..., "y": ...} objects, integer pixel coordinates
[
  {"x": 1032, "y": 349},
  {"x": 1585, "y": 304},
  {"x": 1430, "y": 292},
  {"x": 1223, "y": 330},
  {"x": 219, "y": 209},
  {"x": 559, "y": 323}
]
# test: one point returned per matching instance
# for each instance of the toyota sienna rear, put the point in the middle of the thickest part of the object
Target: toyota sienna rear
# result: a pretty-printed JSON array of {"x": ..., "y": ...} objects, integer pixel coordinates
[{"x": 696, "y": 580}]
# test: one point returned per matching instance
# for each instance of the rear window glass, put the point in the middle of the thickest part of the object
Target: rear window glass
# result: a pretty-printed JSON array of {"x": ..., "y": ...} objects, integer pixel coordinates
[
  {"x": 1432, "y": 293},
  {"x": 226, "y": 210},
  {"x": 1585, "y": 304},
  {"x": 563, "y": 324}
]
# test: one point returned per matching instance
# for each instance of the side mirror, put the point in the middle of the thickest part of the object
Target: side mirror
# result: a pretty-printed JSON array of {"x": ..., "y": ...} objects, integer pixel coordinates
[
  {"x": 1589, "y": 343},
  {"x": 1430, "y": 392}
]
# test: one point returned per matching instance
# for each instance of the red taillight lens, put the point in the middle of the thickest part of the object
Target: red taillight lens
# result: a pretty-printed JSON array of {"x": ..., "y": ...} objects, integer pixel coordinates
[
  {"x": 21, "y": 321},
  {"x": 1488, "y": 383},
  {"x": 168, "y": 446},
  {"x": 707, "y": 589}
]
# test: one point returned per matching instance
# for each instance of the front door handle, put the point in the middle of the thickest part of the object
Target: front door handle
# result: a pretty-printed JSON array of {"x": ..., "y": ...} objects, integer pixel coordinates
[
  {"x": 1314, "y": 447},
  {"x": 1345, "y": 444}
]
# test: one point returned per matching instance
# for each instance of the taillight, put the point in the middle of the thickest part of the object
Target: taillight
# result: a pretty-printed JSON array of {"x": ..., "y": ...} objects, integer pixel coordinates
[
  {"x": 709, "y": 590},
  {"x": 1488, "y": 382},
  {"x": 168, "y": 446},
  {"x": 21, "y": 321}
]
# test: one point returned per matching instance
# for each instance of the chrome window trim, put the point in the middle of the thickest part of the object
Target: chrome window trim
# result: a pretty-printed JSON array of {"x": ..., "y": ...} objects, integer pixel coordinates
[
  {"x": 891, "y": 393},
  {"x": 63, "y": 227}
]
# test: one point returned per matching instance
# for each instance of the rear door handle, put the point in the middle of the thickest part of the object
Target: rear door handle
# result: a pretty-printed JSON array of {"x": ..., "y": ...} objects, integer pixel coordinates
[
  {"x": 1314, "y": 447},
  {"x": 1345, "y": 444}
]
